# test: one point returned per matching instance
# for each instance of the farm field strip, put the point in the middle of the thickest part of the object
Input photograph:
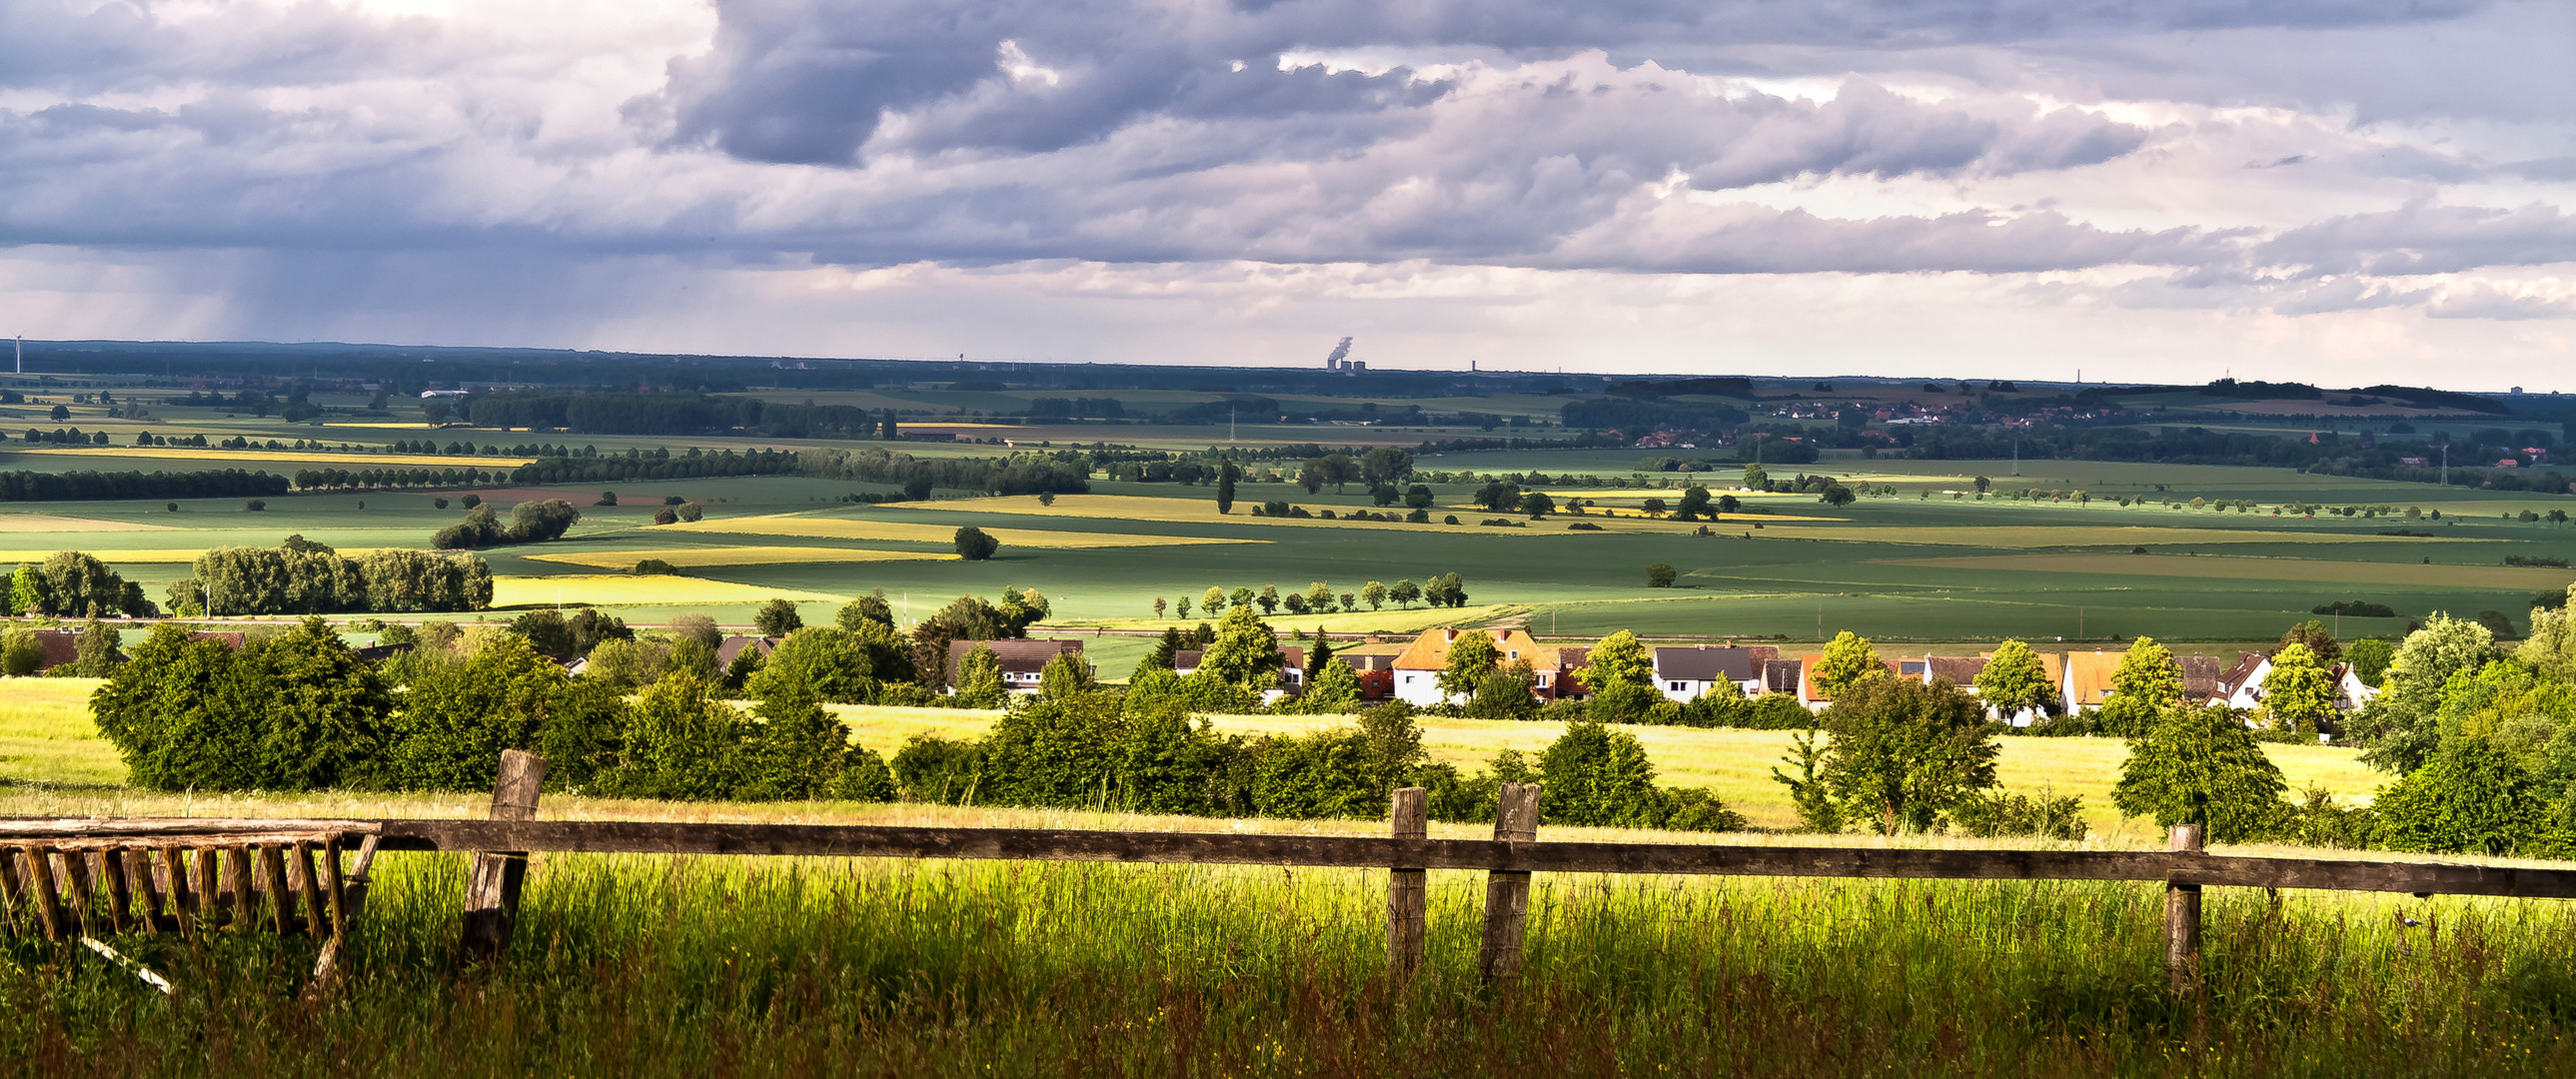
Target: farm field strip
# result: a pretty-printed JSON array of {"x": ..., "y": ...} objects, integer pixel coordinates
[
  {"x": 914, "y": 532},
  {"x": 1198, "y": 511},
  {"x": 623, "y": 590},
  {"x": 1391, "y": 620},
  {"x": 47, "y": 522},
  {"x": 348, "y": 460},
  {"x": 2230, "y": 567},
  {"x": 2028, "y": 537},
  {"x": 692, "y": 557}
]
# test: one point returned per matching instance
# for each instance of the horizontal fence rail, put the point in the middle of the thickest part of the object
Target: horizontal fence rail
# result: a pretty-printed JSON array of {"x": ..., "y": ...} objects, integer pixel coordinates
[{"x": 1496, "y": 856}]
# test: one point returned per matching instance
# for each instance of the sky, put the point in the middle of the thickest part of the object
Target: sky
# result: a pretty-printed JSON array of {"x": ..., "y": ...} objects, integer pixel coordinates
[{"x": 2336, "y": 191}]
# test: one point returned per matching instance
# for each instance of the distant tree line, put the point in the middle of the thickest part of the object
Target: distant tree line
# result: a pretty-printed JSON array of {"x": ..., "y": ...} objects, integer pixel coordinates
[
  {"x": 103, "y": 486},
  {"x": 1053, "y": 472},
  {"x": 657, "y": 465},
  {"x": 669, "y": 414},
  {"x": 304, "y": 577},
  {"x": 70, "y": 584},
  {"x": 530, "y": 522}
]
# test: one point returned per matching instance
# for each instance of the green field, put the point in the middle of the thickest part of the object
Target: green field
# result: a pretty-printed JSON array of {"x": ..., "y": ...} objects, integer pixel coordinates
[{"x": 1928, "y": 563}]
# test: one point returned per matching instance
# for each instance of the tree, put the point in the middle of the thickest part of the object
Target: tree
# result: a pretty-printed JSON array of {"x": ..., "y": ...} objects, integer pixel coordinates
[
  {"x": 20, "y": 653},
  {"x": 1240, "y": 597},
  {"x": 1269, "y": 599},
  {"x": 681, "y": 743},
  {"x": 1505, "y": 692},
  {"x": 2319, "y": 641},
  {"x": 1374, "y": 594},
  {"x": 96, "y": 647},
  {"x": 1386, "y": 464},
  {"x": 1245, "y": 653},
  {"x": 1337, "y": 469},
  {"x": 27, "y": 591},
  {"x": 1225, "y": 480},
  {"x": 1319, "y": 596},
  {"x": 1418, "y": 497},
  {"x": 1311, "y": 476},
  {"x": 1498, "y": 496},
  {"x": 778, "y": 618},
  {"x": 1446, "y": 590},
  {"x": 1181, "y": 607},
  {"x": 1849, "y": 660},
  {"x": 1335, "y": 687},
  {"x": 2014, "y": 682},
  {"x": 868, "y": 609},
  {"x": 1661, "y": 575},
  {"x": 2199, "y": 765},
  {"x": 1538, "y": 504},
  {"x": 1836, "y": 495},
  {"x": 1620, "y": 673},
  {"x": 1594, "y": 776},
  {"x": 1694, "y": 503},
  {"x": 1472, "y": 655},
  {"x": 974, "y": 545},
  {"x": 2298, "y": 693},
  {"x": 1404, "y": 592},
  {"x": 1212, "y": 603},
  {"x": 979, "y": 679},
  {"x": 1903, "y": 752}
]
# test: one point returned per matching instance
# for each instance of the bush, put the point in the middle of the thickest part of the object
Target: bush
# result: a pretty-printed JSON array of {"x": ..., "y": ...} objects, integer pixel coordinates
[
  {"x": 2469, "y": 798},
  {"x": 655, "y": 567},
  {"x": 689, "y": 511},
  {"x": 939, "y": 771},
  {"x": 255, "y": 505},
  {"x": 295, "y": 711},
  {"x": 1582, "y": 526},
  {"x": 778, "y": 618},
  {"x": 665, "y": 516},
  {"x": 1989, "y": 815},
  {"x": 974, "y": 545}
]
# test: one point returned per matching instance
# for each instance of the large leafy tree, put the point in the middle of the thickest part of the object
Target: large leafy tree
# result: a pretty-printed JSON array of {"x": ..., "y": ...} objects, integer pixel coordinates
[
  {"x": 2399, "y": 727},
  {"x": 2201, "y": 766},
  {"x": 979, "y": 679},
  {"x": 1334, "y": 687},
  {"x": 2149, "y": 675},
  {"x": 2014, "y": 681},
  {"x": 1245, "y": 653},
  {"x": 1848, "y": 661},
  {"x": 2319, "y": 640},
  {"x": 2298, "y": 693},
  {"x": 1620, "y": 674},
  {"x": 1471, "y": 657},
  {"x": 1903, "y": 753}
]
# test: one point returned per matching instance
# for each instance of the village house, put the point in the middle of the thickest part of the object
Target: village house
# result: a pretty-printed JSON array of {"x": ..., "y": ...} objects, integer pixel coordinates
[
  {"x": 1417, "y": 671},
  {"x": 1022, "y": 661},
  {"x": 1685, "y": 674}
]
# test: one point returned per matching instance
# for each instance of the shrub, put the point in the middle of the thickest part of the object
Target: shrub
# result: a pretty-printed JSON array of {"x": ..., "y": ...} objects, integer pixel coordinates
[
  {"x": 689, "y": 511},
  {"x": 665, "y": 516},
  {"x": 606, "y": 498},
  {"x": 1903, "y": 752},
  {"x": 291, "y": 712},
  {"x": 2469, "y": 798},
  {"x": 255, "y": 505},
  {"x": 1582, "y": 526},
  {"x": 940, "y": 771},
  {"x": 1989, "y": 815},
  {"x": 655, "y": 567}
]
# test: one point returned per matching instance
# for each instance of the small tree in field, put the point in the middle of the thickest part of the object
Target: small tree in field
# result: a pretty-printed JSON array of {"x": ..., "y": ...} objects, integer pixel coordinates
[
  {"x": 1374, "y": 594},
  {"x": 2201, "y": 766},
  {"x": 1661, "y": 575},
  {"x": 974, "y": 545},
  {"x": 1903, "y": 752},
  {"x": 1404, "y": 592}
]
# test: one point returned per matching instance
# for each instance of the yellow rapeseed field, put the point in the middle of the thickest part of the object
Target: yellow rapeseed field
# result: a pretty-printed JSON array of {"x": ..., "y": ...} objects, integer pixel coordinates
[
  {"x": 878, "y": 528},
  {"x": 609, "y": 590},
  {"x": 344, "y": 460},
  {"x": 692, "y": 557}
]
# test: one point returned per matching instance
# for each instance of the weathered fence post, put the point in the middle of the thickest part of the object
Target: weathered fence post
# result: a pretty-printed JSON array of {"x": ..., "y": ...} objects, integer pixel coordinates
[
  {"x": 1407, "y": 885},
  {"x": 1507, "y": 891},
  {"x": 492, "y": 895},
  {"x": 2182, "y": 916}
]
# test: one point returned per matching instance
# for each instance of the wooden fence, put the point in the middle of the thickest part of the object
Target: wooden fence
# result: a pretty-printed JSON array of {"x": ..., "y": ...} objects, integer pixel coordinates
[{"x": 501, "y": 845}]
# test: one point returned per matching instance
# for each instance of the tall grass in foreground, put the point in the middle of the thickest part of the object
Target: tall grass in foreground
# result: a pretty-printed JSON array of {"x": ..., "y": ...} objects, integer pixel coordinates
[{"x": 641, "y": 966}]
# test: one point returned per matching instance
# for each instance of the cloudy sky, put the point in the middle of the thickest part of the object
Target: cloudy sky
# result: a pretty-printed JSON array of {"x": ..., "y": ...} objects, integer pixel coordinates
[{"x": 2345, "y": 191}]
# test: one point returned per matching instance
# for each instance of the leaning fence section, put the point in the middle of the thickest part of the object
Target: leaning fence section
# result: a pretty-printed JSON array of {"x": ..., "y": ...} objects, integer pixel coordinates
[{"x": 286, "y": 876}]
